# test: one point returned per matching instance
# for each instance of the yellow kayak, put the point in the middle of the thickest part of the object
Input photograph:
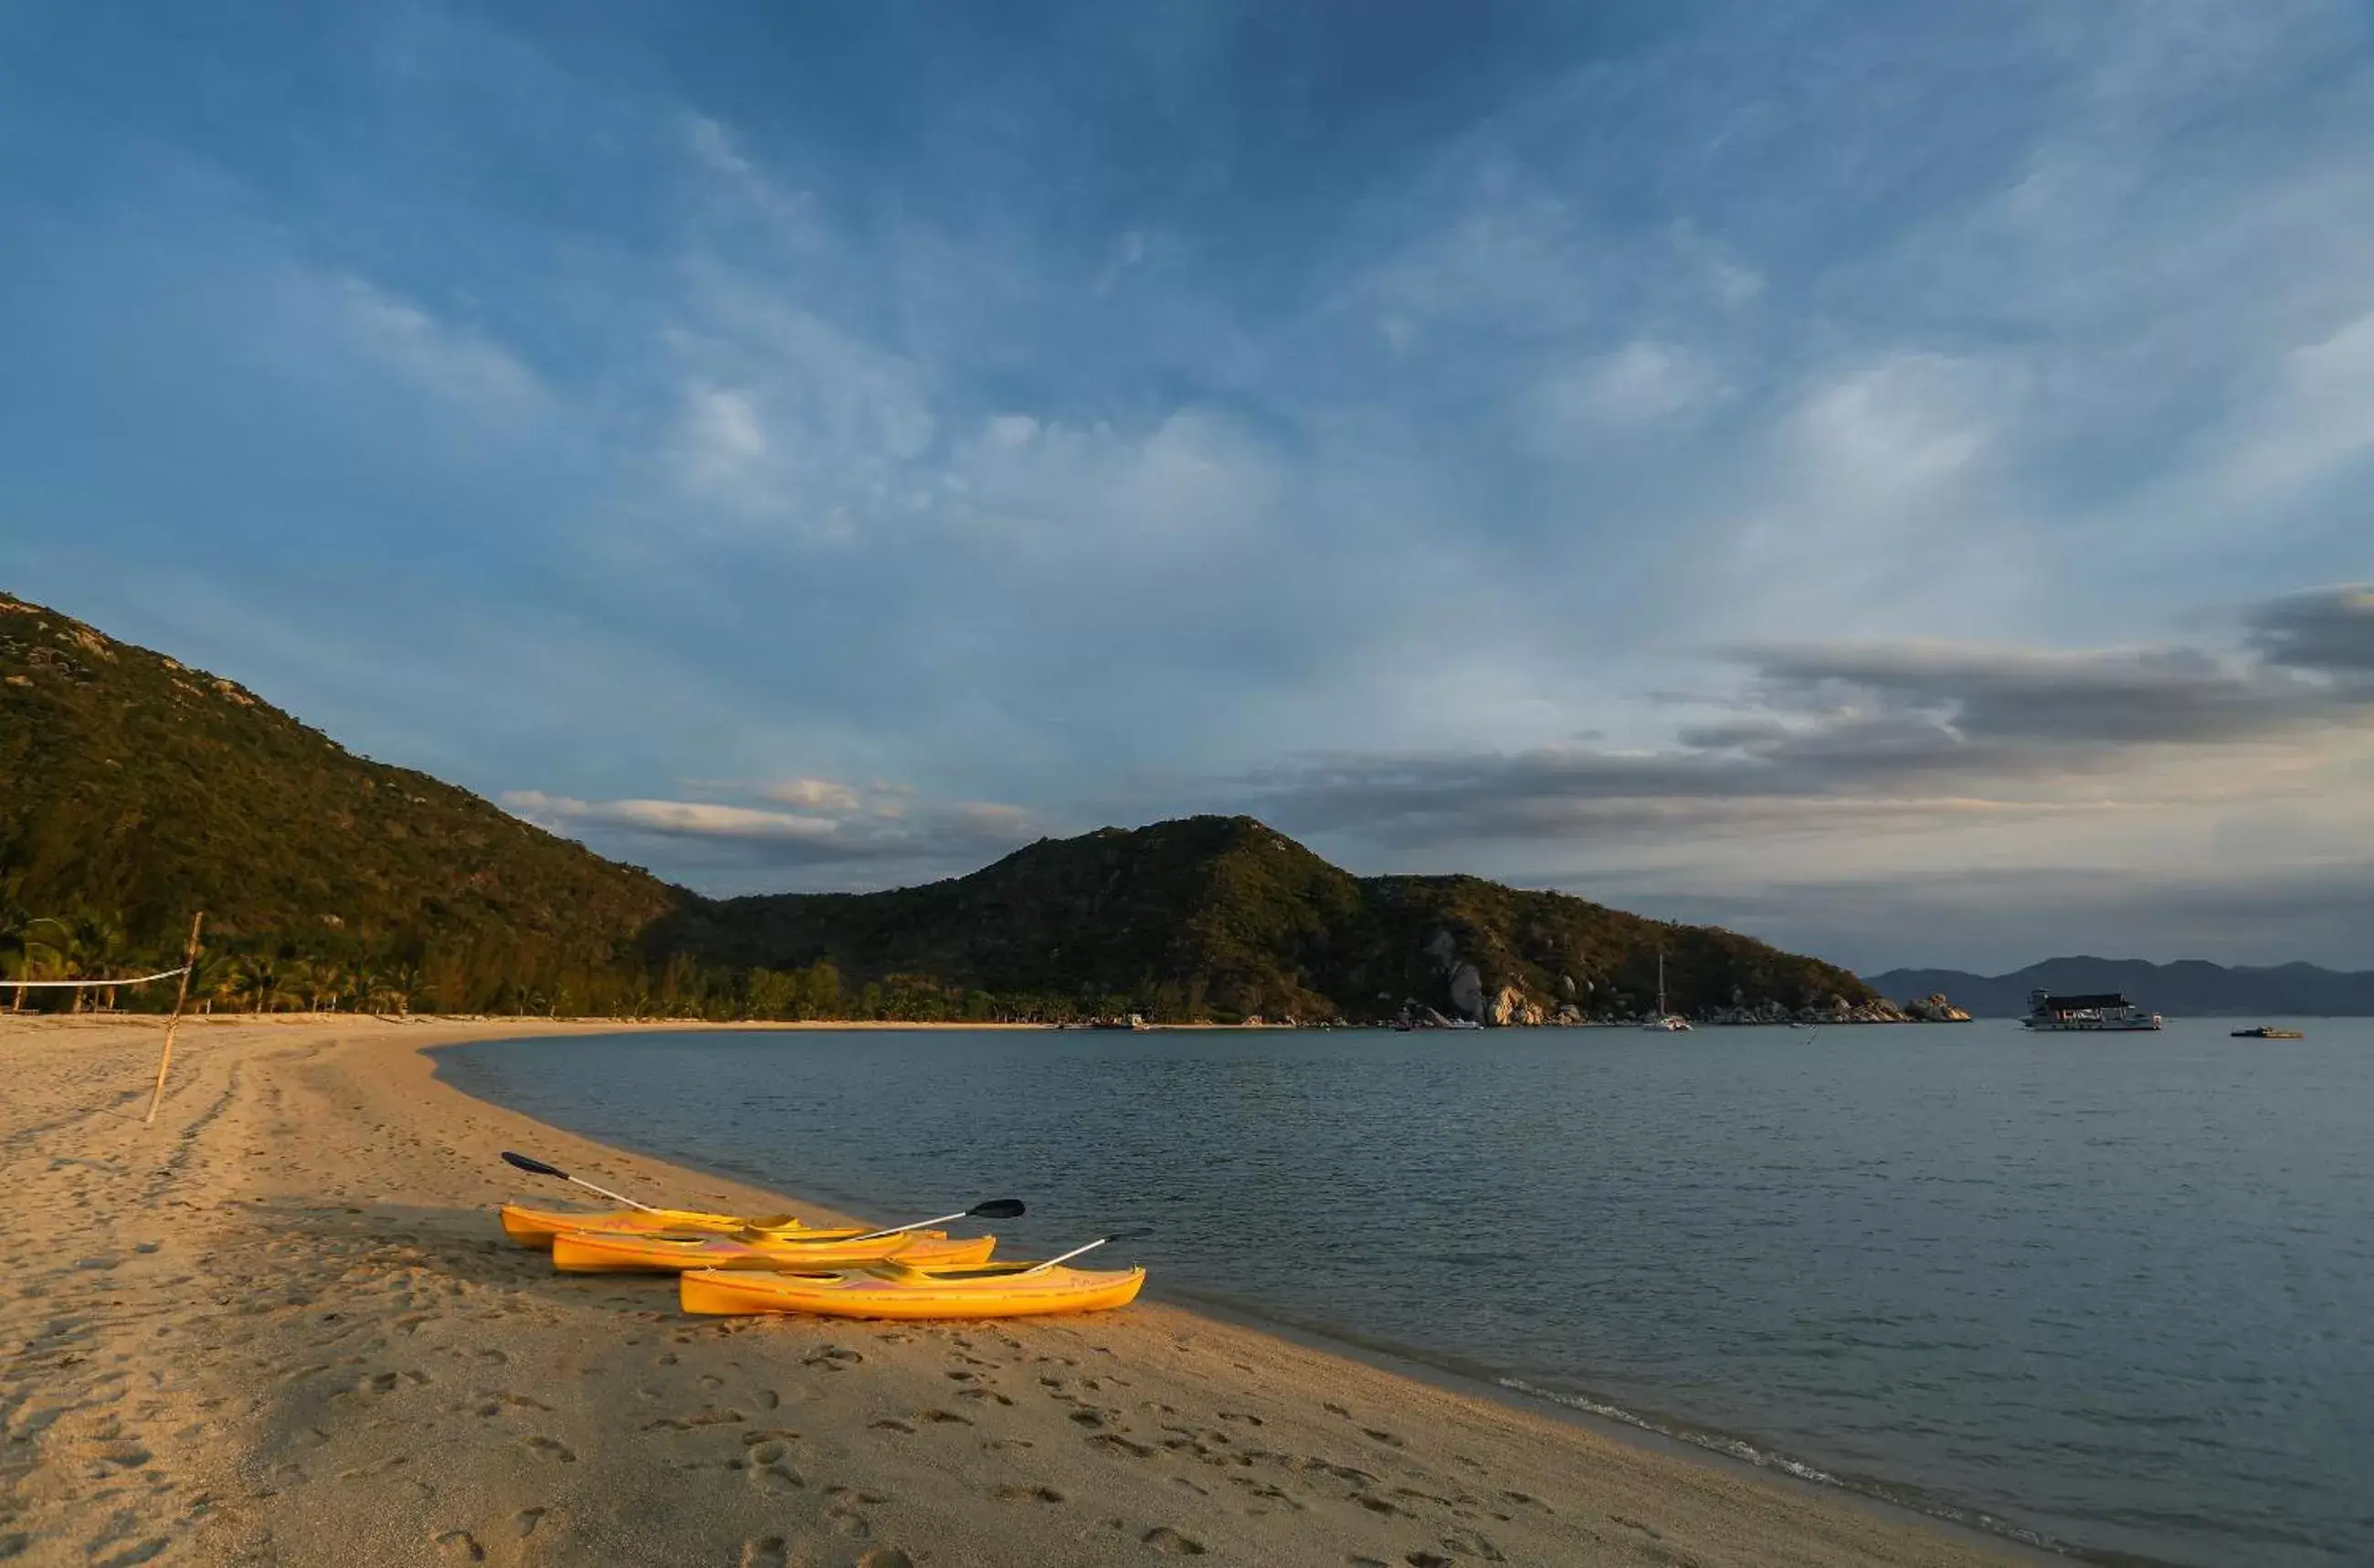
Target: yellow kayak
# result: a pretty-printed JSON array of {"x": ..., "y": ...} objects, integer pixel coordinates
[
  {"x": 537, "y": 1228},
  {"x": 596, "y": 1252},
  {"x": 897, "y": 1288}
]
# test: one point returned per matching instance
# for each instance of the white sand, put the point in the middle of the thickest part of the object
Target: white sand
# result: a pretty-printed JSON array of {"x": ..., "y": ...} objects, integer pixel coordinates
[{"x": 281, "y": 1326}]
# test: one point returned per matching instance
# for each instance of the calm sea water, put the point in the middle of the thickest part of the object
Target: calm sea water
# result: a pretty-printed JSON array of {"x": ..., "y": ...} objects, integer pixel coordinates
[{"x": 2115, "y": 1291}]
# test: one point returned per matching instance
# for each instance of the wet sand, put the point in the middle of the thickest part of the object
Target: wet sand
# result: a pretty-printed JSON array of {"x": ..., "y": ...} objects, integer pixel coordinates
[{"x": 280, "y": 1326}]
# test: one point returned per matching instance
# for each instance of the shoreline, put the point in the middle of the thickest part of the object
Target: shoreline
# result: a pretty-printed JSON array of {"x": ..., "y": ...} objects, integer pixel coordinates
[
  {"x": 257, "y": 1344},
  {"x": 1666, "y": 1435}
]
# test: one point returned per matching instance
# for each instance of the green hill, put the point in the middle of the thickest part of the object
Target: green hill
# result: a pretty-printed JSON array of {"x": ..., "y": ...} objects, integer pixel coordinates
[
  {"x": 1224, "y": 916},
  {"x": 133, "y": 789}
]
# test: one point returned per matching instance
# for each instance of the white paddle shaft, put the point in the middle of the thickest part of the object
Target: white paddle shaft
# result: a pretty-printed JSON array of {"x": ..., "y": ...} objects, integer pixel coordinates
[
  {"x": 917, "y": 1225},
  {"x": 1067, "y": 1257},
  {"x": 612, "y": 1197}
]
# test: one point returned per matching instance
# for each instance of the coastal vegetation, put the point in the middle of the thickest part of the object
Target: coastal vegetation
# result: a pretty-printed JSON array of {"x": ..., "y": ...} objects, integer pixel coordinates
[{"x": 135, "y": 790}]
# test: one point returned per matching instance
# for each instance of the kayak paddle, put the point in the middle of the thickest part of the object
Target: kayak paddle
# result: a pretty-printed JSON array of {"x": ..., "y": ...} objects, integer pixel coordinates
[
  {"x": 537, "y": 1167},
  {"x": 1067, "y": 1257},
  {"x": 996, "y": 1209}
]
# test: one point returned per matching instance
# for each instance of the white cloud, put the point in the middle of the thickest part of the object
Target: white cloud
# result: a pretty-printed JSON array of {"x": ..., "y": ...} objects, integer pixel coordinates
[
  {"x": 698, "y": 819},
  {"x": 1010, "y": 430},
  {"x": 886, "y": 827},
  {"x": 2315, "y": 421},
  {"x": 719, "y": 440},
  {"x": 398, "y": 337},
  {"x": 820, "y": 794},
  {"x": 1194, "y": 477},
  {"x": 1645, "y": 382}
]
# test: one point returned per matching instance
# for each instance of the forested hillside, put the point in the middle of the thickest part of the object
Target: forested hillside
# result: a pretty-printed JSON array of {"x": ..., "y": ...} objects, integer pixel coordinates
[{"x": 134, "y": 790}]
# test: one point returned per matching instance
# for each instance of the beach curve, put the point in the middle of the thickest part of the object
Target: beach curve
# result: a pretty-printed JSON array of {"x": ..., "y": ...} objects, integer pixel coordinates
[{"x": 280, "y": 1326}]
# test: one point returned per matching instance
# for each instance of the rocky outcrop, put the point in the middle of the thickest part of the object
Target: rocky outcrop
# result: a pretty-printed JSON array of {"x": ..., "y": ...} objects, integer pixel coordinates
[
  {"x": 1513, "y": 1008},
  {"x": 1935, "y": 1009}
]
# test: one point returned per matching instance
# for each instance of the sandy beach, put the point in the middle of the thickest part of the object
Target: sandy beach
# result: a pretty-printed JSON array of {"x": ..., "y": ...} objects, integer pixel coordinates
[{"x": 280, "y": 1326}]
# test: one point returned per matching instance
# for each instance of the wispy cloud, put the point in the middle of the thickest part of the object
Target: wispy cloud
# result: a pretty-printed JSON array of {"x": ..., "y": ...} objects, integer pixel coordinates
[
  {"x": 1848, "y": 738},
  {"x": 864, "y": 835},
  {"x": 460, "y": 369}
]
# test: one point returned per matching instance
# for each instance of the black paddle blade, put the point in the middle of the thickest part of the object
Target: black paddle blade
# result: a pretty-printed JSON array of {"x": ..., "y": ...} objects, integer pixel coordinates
[
  {"x": 537, "y": 1167},
  {"x": 1125, "y": 1235},
  {"x": 997, "y": 1208}
]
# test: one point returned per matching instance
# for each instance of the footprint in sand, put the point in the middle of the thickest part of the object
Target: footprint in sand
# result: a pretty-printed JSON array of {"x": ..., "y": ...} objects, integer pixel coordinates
[
  {"x": 885, "y": 1557},
  {"x": 765, "y": 1551},
  {"x": 1165, "y": 1539},
  {"x": 1390, "y": 1439},
  {"x": 496, "y": 1403},
  {"x": 1470, "y": 1543},
  {"x": 525, "y": 1521},
  {"x": 547, "y": 1448},
  {"x": 1115, "y": 1442},
  {"x": 770, "y": 1474},
  {"x": 843, "y": 1514},
  {"x": 708, "y": 1415},
  {"x": 832, "y": 1358},
  {"x": 461, "y": 1546},
  {"x": 759, "y": 1436},
  {"x": 1025, "y": 1494}
]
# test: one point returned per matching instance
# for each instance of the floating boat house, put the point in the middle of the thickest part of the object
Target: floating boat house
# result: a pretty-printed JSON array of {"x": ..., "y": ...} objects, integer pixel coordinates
[{"x": 2107, "y": 1009}]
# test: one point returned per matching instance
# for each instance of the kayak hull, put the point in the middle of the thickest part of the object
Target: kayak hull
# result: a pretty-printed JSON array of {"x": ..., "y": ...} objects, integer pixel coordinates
[
  {"x": 899, "y": 1291},
  {"x": 611, "y": 1252},
  {"x": 537, "y": 1228}
]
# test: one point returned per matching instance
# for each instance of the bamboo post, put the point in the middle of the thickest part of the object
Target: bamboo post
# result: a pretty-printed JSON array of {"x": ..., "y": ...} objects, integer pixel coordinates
[{"x": 181, "y": 999}]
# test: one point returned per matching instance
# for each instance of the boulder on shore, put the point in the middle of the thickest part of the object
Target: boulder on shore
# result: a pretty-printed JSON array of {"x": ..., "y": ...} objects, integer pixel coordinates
[{"x": 1935, "y": 1009}]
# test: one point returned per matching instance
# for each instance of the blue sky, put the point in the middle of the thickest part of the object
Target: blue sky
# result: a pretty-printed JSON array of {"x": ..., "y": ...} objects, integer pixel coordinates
[{"x": 1887, "y": 478}]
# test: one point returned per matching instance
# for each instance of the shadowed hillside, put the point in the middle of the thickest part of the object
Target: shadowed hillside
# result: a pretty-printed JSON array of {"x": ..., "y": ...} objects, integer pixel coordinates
[
  {"x": 135, "y": 790},
  {"x": 1224, "y": 916}
]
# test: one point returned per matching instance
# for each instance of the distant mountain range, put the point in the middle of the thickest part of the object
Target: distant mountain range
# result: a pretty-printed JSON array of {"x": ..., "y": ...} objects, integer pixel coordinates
[{"x": 2191, "y": 987}]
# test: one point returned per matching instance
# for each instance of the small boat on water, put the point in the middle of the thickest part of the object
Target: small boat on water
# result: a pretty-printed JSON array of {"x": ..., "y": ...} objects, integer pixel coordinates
[
  {"x": 2106, "y": 1012},
  {"x": 2268, "y": 1032},
  {"x": 1666, "y": 1021}
]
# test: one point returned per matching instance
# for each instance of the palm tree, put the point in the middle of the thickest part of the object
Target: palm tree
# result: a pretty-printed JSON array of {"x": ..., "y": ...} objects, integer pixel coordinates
[
  {"x": 91, "y": 947},
  {"x": 361, "y": 984},
  {"x": 257, "y": 977},
  {"x": 24, "y": 955},
  {"x": 318, "y": 983},
  {"x": 404, "y": 983},
  {"x": 212, "y": 978}
]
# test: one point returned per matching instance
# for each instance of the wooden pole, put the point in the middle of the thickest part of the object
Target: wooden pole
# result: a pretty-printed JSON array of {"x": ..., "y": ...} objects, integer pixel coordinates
[{"x": 181, "y": 999}]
